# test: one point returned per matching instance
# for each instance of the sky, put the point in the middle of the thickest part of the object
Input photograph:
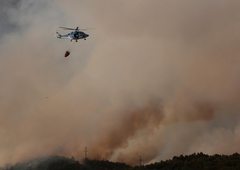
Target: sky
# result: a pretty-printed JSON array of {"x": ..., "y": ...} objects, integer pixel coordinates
[{"x": 154, "y": 79}]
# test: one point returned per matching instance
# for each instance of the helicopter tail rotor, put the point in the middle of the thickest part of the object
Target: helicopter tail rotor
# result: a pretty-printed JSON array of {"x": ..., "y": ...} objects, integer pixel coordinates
[{"x": 58, "y": 35}]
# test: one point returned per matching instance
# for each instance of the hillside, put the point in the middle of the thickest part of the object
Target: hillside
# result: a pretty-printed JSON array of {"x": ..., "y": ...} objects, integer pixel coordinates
[{"x": 197, "y": 161}]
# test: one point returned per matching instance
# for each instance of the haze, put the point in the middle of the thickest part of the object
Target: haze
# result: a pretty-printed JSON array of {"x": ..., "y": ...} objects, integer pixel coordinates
[{"x": 154, "y": 79}]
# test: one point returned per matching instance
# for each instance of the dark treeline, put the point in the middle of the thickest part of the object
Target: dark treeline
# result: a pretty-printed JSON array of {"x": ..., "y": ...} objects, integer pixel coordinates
[
  {"x": 198, "y": 161},
  {"x": 195, "y": 161}
]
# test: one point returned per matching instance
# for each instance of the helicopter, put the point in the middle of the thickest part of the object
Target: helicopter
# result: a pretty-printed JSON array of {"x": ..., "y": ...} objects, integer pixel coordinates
[{"x": 74, "y": 35}]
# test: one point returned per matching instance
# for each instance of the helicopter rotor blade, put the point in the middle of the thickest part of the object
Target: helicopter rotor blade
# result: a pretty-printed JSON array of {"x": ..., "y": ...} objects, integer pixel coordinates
[
  {"x": 65, "y": 28},
  {"x": 87, "y": 29}
]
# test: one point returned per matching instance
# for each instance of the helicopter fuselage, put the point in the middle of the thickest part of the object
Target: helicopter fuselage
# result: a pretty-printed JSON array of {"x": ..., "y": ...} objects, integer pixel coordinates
[{"x": 74, "y": 35}]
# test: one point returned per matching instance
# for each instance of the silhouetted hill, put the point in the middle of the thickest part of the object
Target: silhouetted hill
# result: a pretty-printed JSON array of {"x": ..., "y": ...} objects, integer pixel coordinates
[
  {"x": 49, "y": 163},
  {"x": 105, "y": 165},
  {"x": 197, "y": 161}
]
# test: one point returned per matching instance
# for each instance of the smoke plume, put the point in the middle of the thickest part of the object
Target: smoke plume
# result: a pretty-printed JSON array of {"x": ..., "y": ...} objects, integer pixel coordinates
[{"x": 154, "y": 79}]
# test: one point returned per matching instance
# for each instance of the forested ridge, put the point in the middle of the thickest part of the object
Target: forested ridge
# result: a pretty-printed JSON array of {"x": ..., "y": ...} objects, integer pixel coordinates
[{"x": 196, "y": 161}]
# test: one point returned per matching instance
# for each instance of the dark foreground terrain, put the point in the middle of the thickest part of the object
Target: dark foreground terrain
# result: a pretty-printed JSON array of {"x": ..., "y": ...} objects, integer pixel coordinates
[{"x": 198, "y": 161}]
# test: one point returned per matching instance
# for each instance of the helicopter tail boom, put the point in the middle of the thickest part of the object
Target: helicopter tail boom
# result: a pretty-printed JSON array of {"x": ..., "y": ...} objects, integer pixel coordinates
[{"x": 61, "y": 36}]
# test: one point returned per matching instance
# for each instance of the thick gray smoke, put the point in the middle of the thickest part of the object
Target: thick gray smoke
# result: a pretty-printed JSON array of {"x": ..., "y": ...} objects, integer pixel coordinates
[
  {"x": 154, "y": 79},
  {"x": 7, "y": 24}
]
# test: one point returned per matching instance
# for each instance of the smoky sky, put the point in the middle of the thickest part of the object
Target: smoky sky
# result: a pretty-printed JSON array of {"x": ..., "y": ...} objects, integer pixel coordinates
[
  {"x": 154, "y": 79},
  {"x": 6, "y": 24}
]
